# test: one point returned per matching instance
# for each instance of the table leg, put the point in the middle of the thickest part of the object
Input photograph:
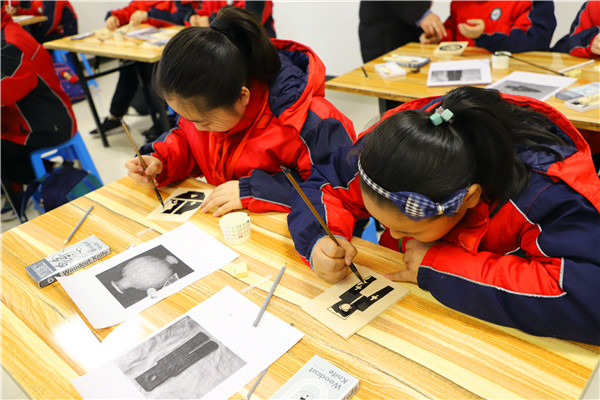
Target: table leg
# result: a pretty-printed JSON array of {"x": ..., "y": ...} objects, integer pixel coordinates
[{"x": 88, "y": 95}]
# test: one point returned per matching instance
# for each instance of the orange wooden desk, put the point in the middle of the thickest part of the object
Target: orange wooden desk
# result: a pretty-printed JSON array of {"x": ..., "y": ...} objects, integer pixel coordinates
[
  {"x": 416, "y": 349},
  {"x": 413, "y": 85},
  {"x": 25, "y": 20}
]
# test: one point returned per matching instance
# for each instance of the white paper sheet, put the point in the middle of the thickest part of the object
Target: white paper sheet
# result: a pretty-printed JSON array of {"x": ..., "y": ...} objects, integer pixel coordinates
[
  {"x": 538, "y": 86},
  {"x": 463, "y": 72},
  {"x": 124, "y": 285},
  {"x": 226, "y": 318}
]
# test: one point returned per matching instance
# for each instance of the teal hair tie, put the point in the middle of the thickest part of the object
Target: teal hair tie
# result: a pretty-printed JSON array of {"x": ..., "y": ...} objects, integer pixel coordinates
[{"x": 440, "y": 115}]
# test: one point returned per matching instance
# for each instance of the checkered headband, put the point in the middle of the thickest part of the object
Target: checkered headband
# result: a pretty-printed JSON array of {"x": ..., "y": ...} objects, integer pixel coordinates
[{"x": 417, "y": 206}]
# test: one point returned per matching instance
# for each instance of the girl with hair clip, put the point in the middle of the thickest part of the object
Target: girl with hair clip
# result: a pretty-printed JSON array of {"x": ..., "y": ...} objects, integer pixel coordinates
[
  {"x": 248, "y": 105},
  {"x": 493, "y": 198}
]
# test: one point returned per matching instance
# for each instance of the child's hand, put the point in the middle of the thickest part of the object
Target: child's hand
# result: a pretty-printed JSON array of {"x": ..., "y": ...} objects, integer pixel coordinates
[
  {"x": 413, "y": 257},
  {"x": 330, "y": 261},
  {"x": 472, "y": 29},
  {"x": 225, "y": 196},
  {"x": 197, "y": 20},
  {"x": 138, "y": 17},
  {"x": 112, "y": 23},
  {"x": 424, "y": 39},
  {"x": 137, "y": 173},
  {"x": 596, "y": 45}
]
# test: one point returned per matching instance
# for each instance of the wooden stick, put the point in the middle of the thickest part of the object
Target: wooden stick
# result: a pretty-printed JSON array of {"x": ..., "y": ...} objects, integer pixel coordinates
[
  {"x": 288, "y": 173},
  {"x": 142, "y": 162}
]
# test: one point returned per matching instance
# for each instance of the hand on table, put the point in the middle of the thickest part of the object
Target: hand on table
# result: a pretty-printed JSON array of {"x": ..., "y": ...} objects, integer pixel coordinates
[
  {"x": 197, "y": 20},
  {"x": 10, "y": 10},
  {"x": 138, "y": 17},
  {"x": 137, "y": 173},
  {"x": 413, "y": 257},
  {"x": 596, "y": 45},
  {"x": 329, "y": 261},
  {"x": 433, "y": 28},
  {"x": 472, "y": 29},
  {"x": 225, "y": 196},
  {"x": 112, "y": 23}
]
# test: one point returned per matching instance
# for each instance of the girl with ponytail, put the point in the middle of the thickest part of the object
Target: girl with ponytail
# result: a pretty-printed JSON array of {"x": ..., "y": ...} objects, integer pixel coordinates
[
  {"x": 248, "y": 104},
  {"x": 492, "y": 198}
]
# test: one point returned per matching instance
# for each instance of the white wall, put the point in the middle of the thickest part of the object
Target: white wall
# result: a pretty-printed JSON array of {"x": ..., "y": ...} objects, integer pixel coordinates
[{"x": 329, "y": 27}]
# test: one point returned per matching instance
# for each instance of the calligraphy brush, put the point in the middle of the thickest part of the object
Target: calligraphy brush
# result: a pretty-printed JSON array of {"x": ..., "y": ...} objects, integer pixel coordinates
[
  {"x": 142, "y": 162},
  {"x": 509, "y": 54},
  {"x": 288, "y": 174}
]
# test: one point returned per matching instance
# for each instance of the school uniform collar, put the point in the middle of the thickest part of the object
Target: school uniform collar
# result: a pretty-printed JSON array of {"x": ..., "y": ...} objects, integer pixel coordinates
[
  {"x": 471, "y": 229},
  {"x": 258, "y": 98}
]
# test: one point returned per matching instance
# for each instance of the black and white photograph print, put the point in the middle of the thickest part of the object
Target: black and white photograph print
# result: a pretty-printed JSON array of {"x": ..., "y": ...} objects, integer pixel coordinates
[
  {"x": 143, "y": 275},
  {"x": 455, "y": 77},
  {"x": 183, "y": 361},
  {"x": 523, "y": 88}
]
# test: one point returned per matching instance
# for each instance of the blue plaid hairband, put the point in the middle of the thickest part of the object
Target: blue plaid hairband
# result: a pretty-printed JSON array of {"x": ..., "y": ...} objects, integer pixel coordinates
[{"x": 417, "y": 206}]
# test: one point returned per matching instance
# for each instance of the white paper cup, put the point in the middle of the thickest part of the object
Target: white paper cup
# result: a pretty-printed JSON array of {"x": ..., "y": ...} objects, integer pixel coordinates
[
  {"x": 235, "y": 227},
  {"x": 499, "y": 61}
]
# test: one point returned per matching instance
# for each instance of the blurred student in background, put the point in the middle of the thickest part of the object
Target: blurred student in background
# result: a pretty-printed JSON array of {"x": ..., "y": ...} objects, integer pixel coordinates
[
  {"x": 61, "y": 22},
  {"x": 514, "y": 26},
  {"x": 36, "y": 112}
]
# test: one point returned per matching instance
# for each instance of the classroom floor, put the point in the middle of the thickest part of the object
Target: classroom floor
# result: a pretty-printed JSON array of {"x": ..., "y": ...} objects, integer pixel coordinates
[{"x": 110, "y": 161}]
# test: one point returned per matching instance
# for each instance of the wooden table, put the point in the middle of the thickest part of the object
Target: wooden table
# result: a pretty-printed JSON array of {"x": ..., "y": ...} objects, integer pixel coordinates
[
  {"x": 416, "y": 349},
  {"x": 413, "y": 85},
  {"x": 25, "y": 20},
  {"x": 120, "y": 47}
]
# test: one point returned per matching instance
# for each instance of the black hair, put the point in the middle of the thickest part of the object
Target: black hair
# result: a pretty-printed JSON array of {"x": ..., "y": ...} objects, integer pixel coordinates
[
  {"x": 406, "y": 152},
  {"x": 209, "y": 66}
]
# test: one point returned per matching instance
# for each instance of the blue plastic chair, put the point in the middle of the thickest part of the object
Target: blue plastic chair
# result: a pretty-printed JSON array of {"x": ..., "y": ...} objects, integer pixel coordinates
[
  {"x": 62, "y": 56},
  {"x": 71, "y": 150},
  {"x": 370, "y": 232}
]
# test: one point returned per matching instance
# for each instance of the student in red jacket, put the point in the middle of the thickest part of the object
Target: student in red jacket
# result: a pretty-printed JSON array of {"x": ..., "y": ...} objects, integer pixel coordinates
[
  {"x": 206, "y": 10},
  {"x": 514, "y": 26},
  {"x": 155, "y": 13},
  {"x": 61, "y": 22},
  {"x": 496, "y": 207},
  {"x": 248, "y": 105},
  {"x": 584, "y": 38},
  {"x": 36, "y": 112}
]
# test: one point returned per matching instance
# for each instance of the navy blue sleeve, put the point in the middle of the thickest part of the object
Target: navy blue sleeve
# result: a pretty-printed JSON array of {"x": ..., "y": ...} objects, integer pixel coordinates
[{"x": 536, "y": 38}]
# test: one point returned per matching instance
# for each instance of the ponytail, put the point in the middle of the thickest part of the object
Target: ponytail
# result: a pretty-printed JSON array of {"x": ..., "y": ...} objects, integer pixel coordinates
[
  {"x": 476, "y": 146},
  {"x": 209, "y": 66}
]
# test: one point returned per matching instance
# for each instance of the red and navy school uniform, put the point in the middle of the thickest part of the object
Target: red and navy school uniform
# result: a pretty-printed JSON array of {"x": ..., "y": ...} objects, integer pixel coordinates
[
  {"x": 287, "y": 122},
  {"x": 515, "y": 26},
  {"x": 61, "y": 22},
  {"x": 534, "y": 265},
  {"x": 36, "y": 112},
  {"x": 160, "y": 13},
  {"x": 585, "y": 27},
  {"x": 263, "y": 10}
]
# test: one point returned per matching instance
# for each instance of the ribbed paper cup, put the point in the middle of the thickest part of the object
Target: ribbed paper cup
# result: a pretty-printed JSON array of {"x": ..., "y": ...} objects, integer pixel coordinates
[{"x": 235, "y": 227}]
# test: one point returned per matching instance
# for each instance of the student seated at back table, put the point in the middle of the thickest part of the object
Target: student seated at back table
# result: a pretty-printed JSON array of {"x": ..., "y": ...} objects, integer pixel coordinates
[
  {"x": 61, "y": 22},
  {"x": 206, "y": 10},
  {"x": 583, "y": 40},
  {"x": 36, "y": 112},
  {"x": 515, "y": 26},
  {"x": 494, "y": 200},
  {"x": 155, "y": 13},
  {"x": 248, "y": 105}
]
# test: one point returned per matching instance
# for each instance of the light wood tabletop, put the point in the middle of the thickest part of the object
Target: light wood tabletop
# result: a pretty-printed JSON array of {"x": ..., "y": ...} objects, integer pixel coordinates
[
  {"x": 113, "y": 45},
  {"x": 418, "y": 348},
  {"x": 413, "y": 85},
  {"x": 25, "y": 20}
]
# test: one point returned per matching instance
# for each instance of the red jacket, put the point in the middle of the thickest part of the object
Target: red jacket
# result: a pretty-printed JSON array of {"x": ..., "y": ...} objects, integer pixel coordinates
[
  {"x": 35, "y": 109},
  {"x": 585, "y": 28},
  {"x": 534, "y": 265},
  {"x": 287, "y": 123},
  {"x": 515, "y": 26},
  {"x": 62, "y": 19},
  {"x": 160, "y": 13},
  {"x": 262, "y": 9}
]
